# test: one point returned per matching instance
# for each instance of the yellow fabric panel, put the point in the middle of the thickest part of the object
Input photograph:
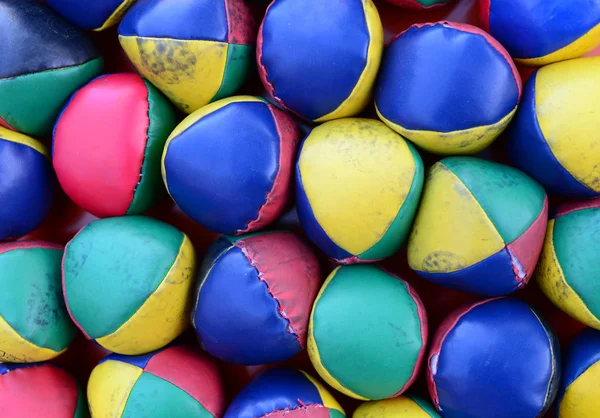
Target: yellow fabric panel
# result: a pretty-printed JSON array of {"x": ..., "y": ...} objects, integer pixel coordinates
[
  {"x": 164, "y": 315},
  {"x": 189, "y": 83},
  {"x": 400, "y": 407},
  {"x": 109, "y": 387},
  {"x": 581, "y": 398},
  {"x": 356, "y": 174},
  {"x": 16, "y": 349},
  {"x": 551, "y": 280},
  {"x": 567, "y": 104},
  {"x": 328, "y": 400},
  {"x": 467, "y": 141},
  {"x": 451, "y": 229},
  {"x": 116, "y": 15},
  {"x": 576, "y": 49},
  {"x": 362, "y": 93},
  {"x": 313, "y": 350},
  {"x": 12, "y": 136}
]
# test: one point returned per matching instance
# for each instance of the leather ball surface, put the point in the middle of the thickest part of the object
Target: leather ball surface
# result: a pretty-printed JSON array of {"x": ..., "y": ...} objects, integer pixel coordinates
[
  {"x": 495, "y": 355},
  {"x": 320, "y": 58},
  {"x": 44, "y": 60},
  {"x": 92, "y": 15},
  {"x": 108, "y": 142},
  {"x": 27, "y": 186},
  {"x": 128, "y": 283},
  {"x": 229, "y": 164},
  {"x": 555, "y": 135},
  {"x": 358, "y": 185},
  {"x": 194, "y": 51},
  {"x": 34, "y": 322},
  {"x": 283, "y": 392},
  {"x": 254, "y": 297},
  {"x": 537, "y": 33},
  {"x": 367, "y": 333},
  {"x": 448, "y": 87},
  {"x": 480, "y": 227},
  {"x": 404, "y": 406},
  {"x": 177, "y": 381}
]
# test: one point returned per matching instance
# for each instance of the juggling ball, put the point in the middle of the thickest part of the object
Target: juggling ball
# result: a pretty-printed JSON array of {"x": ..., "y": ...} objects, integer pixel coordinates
[
  {"x": 555, "y": 133},
  {"x": 367, "y": 333},
  {"x": 229, "y": 164},
  {"x": 176, "y": 382},
  {"x": 194, "y": 51},
  {"x": 34, "y": 323},
  {"x": 27, "y": 184},
  {"x": 358, "y": 185},
  {"x": 569, "y": 268},
  {"x": 254, "y": 297},
  {"x": 40, "y": 390},
  {"x": 283, "y": 392},
  {"x": 495, "y": 358},
  {"x": 93, "y": 15},
  {"x": 44, "y": 60},
  {"x": 480, "y": 227},
  {"x": 406, "y": 406},
  {"x": 108, "y": 142},
  {"x": 448, "y": 87},
  {"x": 318, "y": 58},
  {"x": 127, "y": 283},
  {"x": 537, "y": 32},
  {"x": 580, "y": 385}
]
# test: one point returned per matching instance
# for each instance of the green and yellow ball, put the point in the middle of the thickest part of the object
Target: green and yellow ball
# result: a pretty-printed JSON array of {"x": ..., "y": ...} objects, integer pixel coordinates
[{"x": 406, "y": 406}]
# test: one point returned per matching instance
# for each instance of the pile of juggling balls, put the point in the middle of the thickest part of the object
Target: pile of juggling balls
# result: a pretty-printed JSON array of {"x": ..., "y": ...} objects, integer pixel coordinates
[{"x": 299, "y": 208}]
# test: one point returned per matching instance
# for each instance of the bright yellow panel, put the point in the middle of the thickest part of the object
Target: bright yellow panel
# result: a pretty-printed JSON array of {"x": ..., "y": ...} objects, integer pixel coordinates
[
  {"x": 109, "y": 387},
  {"x": 581, "y": 398},
  {"x": 401, "y": 406},
  {"x": 16, "y": 349},
  {"x": 12, "y": 136}
]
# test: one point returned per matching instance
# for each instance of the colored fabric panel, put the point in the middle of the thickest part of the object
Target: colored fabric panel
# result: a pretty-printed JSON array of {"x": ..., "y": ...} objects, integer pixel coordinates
[
  {"x": 239, "y": 59},
  {"x": 568, "y": 207},
  {"x": 583, "y": 353},
  {"x": 16, "y": 349},
  {"x": 511, "y": 199},
  {"x": 453, "y": 239},
  {"x": 162, "y": 120},
  {"x": 204, "y": 158},
  {"x": 12, "y": 136},
  {"x": 547, "y": 26},
  {"x": 402, "y": 406},
  {"x": 263, "y": 339},
  {"x": 37, "y": 99},
  {"x": 526, "y": 143},
  {"x": 138, "y": 361},
  {"x": 276, "y": 389},
  {"x": 346, "y": 309},
  {"x": 512, "y": 379},
  {"x": 425, "y": 406},
  {"x": 89, "y": 15},
  {"x": 241, "y": 23},
  {"x": 326, "y": 399},
  {"x": 314, "y": 411},
  {"x": 81, "y": 409},
  {"x": 321, "y": 84},
  {"x": 30, "y": 29},
  {"x": 576, "y": 242},
  {"x": 109, "y": 388},
  {"x": 419, "y": 4},
  {"x": 153, "y": 396},
  {"x": 112, "y": 266},
  {"x": 581, "y": 397},
  {"x": 189, "y": 19}
]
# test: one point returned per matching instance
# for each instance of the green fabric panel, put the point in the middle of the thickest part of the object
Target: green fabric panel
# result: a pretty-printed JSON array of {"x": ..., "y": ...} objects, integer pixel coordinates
[
  {"x": 367, "y": 330},
  {"x": 113, "y": 265},
  {"x": 425, "y": 405},
  {"x": 240, "y": 60},
  {"x": 31, "y": 103},
  {"x": 577, "y": 246},
  {"x": 400, "y": 227},
  {"x": 81, "y": 411},
  {"x": 31, "y": 299},
  {"x": 334, "y": 413},
  {"x": 163, "y": 120},
  {"x": 428, "y": 3},
  {"x": 152, "y": 396},
  {"x": 511, "y": 199}
]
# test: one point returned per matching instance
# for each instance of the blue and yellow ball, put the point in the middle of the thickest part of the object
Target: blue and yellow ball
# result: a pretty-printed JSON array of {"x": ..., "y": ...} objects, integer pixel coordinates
[
  {"x": 92, "y": 15},
  {"x": 358, "y": 185}
]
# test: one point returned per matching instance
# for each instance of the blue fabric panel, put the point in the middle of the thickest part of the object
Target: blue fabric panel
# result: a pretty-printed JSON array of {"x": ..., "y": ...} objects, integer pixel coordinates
[
  {"x": 235, "y": 151},
  {"x": 273, "y": 390},
  {"x": 180, "y": 19},
  {"x": 35, "y": 39},
  {"x": 438, "y": 78},
  {"x": 529, "y": 151},
  {"x": 90, "y": 14},
  {"x": 314, "y": 52},
  {"x": 534, "y": 28},
  {"x": 139, "y": 361},
  {"x": 496, "y": 362},
  {"x": 9, "y": 367},
  {"x": 236, "y": 319},
  {"x": 26, "y": 188}
]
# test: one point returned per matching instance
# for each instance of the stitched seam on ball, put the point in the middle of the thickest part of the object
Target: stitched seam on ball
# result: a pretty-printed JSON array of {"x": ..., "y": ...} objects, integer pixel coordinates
[
  {"x": 303, "y": 406},
  {"x": 549, "y": 387},
  {"x": 49, "y": 70},
  {"x": 280, "y": 308}
]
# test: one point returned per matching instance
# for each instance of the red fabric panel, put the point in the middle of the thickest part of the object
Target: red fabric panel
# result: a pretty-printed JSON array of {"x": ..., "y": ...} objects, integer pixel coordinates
[
  {"x": 484, "y": 14},
  {"x": 569, "y": 207},
  {"x": 240, "y": 22},
  {"x": 99, "y": 143},
  {"x": 9, "y": 246},
  {"x": 309, "y": 411},
  {"x": 6, "y": 125},
  {"x": 413, "y": 4}
]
